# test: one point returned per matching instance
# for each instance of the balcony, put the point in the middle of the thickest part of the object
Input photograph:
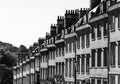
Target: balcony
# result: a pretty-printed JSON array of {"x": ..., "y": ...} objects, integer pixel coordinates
[
  {"x": 32, "y": 57},
  {"x": 43, "y": 50},
  {"x": 37, "y": 54},
  {"x": 70, "y": 32},
  {"x": 101, "y": 73},
  {"x": 24, "y": 62},
  {"x": 59, "y": 37},
  {"x": 99, "y": 17},
  {"x": 43, "y": 80},
  {"x": 51, "y": 46},
  {"x": 51, "y": 43},
  {"x": 82, "y": 27},
  {"x": 59, "y": 78},
  {"x": 70, "y": 35},
  {"x": 83, "y": 76},
  {"x": 114, "y": 71},
  {"x": 114, "y": 6},
  {"x": 27, "y": 60},
  {"x": 59, "y": 41},
  {"x": 50, "y": 79}
]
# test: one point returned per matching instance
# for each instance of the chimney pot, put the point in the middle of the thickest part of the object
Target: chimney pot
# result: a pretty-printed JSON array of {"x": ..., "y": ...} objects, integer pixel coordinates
[
  {"x": 81, "y": 9},
  {"x": 68, "y": 11}
]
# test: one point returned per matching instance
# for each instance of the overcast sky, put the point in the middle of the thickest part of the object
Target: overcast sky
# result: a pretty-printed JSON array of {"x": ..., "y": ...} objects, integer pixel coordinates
[{"x": 24, "y": 21}]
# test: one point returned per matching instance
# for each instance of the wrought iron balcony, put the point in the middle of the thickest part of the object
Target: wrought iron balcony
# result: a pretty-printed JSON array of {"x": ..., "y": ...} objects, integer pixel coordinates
[{"x": 99, "y": 17}]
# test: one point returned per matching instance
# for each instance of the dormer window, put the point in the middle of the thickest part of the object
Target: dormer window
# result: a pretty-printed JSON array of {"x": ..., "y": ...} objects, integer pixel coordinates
[
  {"x": 101, "y": 8},
  {"x": 93, "y": 33},
  {"x": 99, "y": 31},
  {"x": 104, "y": 6},
  {"x": 84, "y": 18},
  {"x": 119, "y": 21},
  {"x": 105, "y": 29},
  {"x": 112, "y": 23}
]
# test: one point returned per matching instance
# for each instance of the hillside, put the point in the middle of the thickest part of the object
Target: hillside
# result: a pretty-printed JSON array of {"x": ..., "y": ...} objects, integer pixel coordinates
[
  {"x": 8, "y": 58},
  {"x": 9, "y": 48}
]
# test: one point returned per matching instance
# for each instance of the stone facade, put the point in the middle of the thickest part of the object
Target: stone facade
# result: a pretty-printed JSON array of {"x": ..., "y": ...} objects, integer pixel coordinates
[{"x": 82, "y": 48}]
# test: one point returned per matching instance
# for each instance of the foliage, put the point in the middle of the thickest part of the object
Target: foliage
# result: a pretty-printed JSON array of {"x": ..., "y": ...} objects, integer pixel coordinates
[
  {"x": 22, "y": 48},
  {"x": 6, "y": 63},
  {"x": 6, "y": 75},
  {"x": 8, "y": 57}
]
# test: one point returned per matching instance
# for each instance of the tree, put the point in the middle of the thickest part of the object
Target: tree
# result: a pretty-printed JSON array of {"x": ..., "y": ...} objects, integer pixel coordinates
[
  {"x": 6, "y": 64},
  {"x": 7, "y": 59},
  {"x": 6, "y": 75},
  {"x": 22, "y": 48}
]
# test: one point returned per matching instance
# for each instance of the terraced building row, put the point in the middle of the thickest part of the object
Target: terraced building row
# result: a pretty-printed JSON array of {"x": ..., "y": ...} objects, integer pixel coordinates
[{"x": 82, "y": 48}]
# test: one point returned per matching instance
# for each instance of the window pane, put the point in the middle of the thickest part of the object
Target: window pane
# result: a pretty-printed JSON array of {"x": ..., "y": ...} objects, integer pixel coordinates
[
  {"x": 113, "y": 23},
  {"x": 113, "y": 54},
  {"x": 93, "y": 58},
  {"x": 105, "y": 57},
  {"x": 70, "y": 68},
  {"x": 83, "y": 41},
  {"x": 82, "y": 65},
  {"x": 119, "y": 54},
  {"x": 78, "y": 43},
  {"x": 67, "y": 48},
  {"x": 119, "y": 21},
  {"x": 112, "y": 79},
  {"x": 118, "y": 79},
  {"x": 104, "y": 82},
  {"x": 93, "y": 33},
  {"x": 105, "y": 29},
  {"x": 87, "y": 41},
  {"x": 99, "y": 58},
  {"x": 87, "y": 63},
  {"x": 78, "y": 64},
  {"x": 70, "y": 47},
  {"x": 98, "y": 81},
  {"x": 98, "y": 31},
  {"x": 93, "y": 81}
]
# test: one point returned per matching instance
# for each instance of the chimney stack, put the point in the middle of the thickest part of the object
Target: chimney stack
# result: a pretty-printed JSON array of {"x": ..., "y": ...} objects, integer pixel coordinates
[
  {"x": 94, "y": 3},
  {"x": 47, "y": 35},
  {"x": 53, "y": 30},
  {"x": 71, "y": 17},
  {"x": 60, "y": 24},
  {"x": 40, "y": 41},
  {"x": 83, "y": 11}
]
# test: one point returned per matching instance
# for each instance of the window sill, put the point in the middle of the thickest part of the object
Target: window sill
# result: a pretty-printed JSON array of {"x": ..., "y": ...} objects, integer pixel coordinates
[
  {"x": 99, "y": 38},
  {"x": 105, "y": 36},
  {"x": 87, "y": 72},
  {"x": 78, "y": 72},
  {"x": 82, "y": 72},
  {"x": 87, "y": 46},
  {"x": 83, "y": 47},
  {"x": 98, "y": 67},
  {"x": 119, "y": 28},
  {"x": 112, "y": 30},
  {"x": 93, "y": 39},
  {"x": 112, "y": 66}
]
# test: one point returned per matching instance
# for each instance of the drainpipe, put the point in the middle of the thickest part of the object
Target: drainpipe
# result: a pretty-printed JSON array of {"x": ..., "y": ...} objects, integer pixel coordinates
[
  {"x": 75, "y": 60},
  {"x": 108, "y": 49},
  {"x": 39, "y": 67}
]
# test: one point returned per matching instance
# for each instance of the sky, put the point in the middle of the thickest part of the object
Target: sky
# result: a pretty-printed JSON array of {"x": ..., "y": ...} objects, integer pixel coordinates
[{"x": 24, "y": 21}]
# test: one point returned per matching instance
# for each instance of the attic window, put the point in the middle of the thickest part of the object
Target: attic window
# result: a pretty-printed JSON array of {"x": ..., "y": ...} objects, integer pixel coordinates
[
  {"x": 81, "y": 23},
  {"x": 97, "y": 11}
]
